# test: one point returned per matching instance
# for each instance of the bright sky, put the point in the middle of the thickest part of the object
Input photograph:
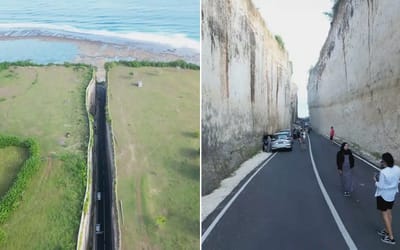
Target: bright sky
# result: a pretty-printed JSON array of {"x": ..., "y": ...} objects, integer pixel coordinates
[{"x": 303, "y": 28}]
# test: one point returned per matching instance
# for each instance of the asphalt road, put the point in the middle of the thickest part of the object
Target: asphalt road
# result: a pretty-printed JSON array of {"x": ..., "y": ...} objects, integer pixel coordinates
[
  {"x": 283, "y": 207},
  {"x": 103, "y": 238}
]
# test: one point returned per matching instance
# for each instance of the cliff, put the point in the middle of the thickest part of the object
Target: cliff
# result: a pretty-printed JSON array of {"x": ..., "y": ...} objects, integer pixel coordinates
[
  {"x": 246, "y": 87},
  {"x": 356, "y": 83}
]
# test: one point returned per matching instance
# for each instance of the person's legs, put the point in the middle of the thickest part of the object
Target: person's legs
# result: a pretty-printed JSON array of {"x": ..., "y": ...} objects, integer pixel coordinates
[{"x": 387, "y": 218}]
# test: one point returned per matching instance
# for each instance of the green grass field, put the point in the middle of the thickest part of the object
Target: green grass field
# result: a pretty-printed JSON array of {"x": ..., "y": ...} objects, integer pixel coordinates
[
  {"x": 156, "y": 131},
  {"x": 47, "y": 104}
]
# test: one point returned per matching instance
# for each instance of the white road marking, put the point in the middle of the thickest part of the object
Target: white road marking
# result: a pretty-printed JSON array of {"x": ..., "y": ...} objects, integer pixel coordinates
[
  {"x": 349, "y": 241},
  {"x": 211, "y": 201},
  {"x": 219, "y": 216}
]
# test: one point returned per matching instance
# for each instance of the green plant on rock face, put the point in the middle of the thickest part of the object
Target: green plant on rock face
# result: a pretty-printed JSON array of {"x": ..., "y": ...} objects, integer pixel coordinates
[
  {"x": 331, "y": 14},
  {"x": 280, "y": 41}
]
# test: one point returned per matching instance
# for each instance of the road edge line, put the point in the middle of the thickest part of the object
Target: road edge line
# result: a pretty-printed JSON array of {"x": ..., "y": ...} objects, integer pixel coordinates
[
  {"x": 219, "y": 216},
  {"x": 349, "y": 241}
]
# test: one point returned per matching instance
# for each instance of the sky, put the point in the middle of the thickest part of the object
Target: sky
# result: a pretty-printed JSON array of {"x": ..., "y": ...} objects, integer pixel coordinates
[{"x": 304, "y": 29}]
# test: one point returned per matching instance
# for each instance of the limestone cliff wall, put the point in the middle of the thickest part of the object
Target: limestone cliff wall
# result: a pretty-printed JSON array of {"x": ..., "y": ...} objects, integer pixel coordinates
[
  {"x": 246, "y": 86},
  {"x": 355, "y": 85}
]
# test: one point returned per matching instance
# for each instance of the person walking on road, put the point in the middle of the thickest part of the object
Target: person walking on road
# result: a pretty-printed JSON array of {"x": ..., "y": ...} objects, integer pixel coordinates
[
  {"x": 269, "y": 144},
  {"x": 386, "y": 188},
  {"x": 331, "y": 134},
  {"x": 303, "y": 139},
  {"x": 345, "y": 164}
]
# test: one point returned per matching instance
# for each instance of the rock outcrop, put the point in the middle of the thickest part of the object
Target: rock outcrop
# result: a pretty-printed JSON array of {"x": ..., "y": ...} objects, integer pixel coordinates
[
  {"x": 246, "y": 87},
  {"x": 355, "y": 85}
]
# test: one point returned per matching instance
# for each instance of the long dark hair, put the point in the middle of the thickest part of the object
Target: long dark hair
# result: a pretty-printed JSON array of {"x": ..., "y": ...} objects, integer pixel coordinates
[
  {"x": 388, "y": 158},
  {"x": 342, "y": 150}
]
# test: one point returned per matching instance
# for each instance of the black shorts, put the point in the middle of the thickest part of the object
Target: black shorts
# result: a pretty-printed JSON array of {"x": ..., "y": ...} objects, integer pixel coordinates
[
  {"x": 330, "y": 138},
  {"x": 383, "y": 205}
]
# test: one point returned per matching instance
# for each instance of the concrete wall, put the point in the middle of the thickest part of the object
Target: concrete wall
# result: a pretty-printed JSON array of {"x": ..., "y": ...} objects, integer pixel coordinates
[
  {"x": 246, "y": 86},
  {"x": 355, "y": 85},
  {"x": 84, "y": 227}
]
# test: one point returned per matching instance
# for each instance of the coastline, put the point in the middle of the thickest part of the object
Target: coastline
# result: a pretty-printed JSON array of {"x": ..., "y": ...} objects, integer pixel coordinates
[{"x": 96, "y": 53}]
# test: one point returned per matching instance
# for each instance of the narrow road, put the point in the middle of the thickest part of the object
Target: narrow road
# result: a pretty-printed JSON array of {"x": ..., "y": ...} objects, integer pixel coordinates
[
  {"x": 103, "y": 238},
  {"x": 283, "y": 206}
]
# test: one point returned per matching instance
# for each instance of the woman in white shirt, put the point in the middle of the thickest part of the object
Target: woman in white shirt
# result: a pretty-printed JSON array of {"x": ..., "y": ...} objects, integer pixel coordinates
[{"x": 386, "y": 188}]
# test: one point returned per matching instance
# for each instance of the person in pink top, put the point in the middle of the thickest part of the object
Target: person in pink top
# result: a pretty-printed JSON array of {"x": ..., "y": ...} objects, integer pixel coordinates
[{"x": 331, "y": 134}]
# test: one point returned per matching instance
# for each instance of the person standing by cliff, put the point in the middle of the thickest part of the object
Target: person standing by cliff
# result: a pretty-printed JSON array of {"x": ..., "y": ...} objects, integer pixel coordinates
[
  {"x": 345, "y": 164},
  {"x": 331, "y": 134},
  {"x": 386, "y": 189},
  {"x": 269, "y": 144}
]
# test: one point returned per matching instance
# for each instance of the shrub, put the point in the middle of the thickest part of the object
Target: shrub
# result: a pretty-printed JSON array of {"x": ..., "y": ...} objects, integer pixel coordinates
[
  {"x": 196, "y": 134},
  {"x": 13, "y": 196},
  {"x": 280, "y": 41},
  {"x": 135, "y": 64},
  {"x": 161, "y": 220},
  {"x": 2, "y": 236},
  {"x": 331, "y": 14},
  {"x": 6, "y": 65}
]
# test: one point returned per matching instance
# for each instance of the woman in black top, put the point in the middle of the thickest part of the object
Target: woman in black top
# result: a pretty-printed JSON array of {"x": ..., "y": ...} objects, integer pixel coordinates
[{"x": 345, "y": 164}]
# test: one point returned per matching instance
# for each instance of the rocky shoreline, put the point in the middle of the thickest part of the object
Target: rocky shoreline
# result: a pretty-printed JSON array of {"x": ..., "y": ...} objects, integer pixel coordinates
[{"x": 96, "y": 53}]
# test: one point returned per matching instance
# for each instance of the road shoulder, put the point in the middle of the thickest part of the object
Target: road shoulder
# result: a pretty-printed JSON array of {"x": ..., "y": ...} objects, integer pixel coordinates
[{"x": 211, "y": 201}]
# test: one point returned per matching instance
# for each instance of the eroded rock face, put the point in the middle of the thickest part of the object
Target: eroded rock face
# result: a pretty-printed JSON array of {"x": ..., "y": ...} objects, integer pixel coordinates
[
  {"x": 355, "y": 85},
  {"x": 246, "y": 87}
]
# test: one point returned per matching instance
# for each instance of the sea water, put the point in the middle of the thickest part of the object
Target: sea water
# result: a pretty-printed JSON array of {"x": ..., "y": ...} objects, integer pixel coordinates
[{"x": 172, "y": 24}]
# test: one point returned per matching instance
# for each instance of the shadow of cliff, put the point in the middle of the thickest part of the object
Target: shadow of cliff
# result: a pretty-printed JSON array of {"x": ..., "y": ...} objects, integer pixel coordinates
[
  {"x": 193, "y": 135},
  {"x": 190, "y": 153}
]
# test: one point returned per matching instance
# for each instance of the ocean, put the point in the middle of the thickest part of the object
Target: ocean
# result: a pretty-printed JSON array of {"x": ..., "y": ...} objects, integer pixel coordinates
[{"x": 173, "y": 24}]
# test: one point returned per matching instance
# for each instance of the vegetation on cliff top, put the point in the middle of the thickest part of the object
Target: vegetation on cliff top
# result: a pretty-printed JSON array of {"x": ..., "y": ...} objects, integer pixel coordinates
[
  {"x": 331, "y": 14},
  {"x": 279, "y": 39},
  {"x": 178, "y": 63}
]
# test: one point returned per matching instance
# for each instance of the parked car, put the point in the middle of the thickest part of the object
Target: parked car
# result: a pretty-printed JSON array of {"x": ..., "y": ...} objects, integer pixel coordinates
[
  {"x": 281, "y": 140},
  {"x": 288, "y": 133}
]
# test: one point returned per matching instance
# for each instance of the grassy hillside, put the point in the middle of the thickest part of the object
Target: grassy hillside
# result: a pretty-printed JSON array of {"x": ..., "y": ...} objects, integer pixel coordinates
[
  {"x": 156, "y": 129},
  {"x": 47, "y": 103}
]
